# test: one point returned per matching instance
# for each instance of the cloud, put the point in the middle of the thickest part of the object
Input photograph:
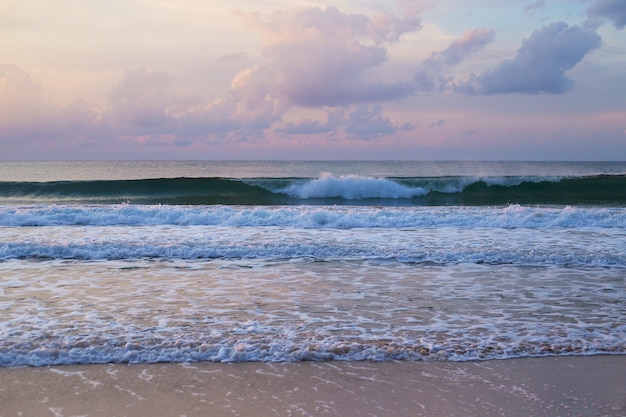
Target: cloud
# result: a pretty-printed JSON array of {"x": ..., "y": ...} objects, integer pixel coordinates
[
  {"x": 235, "y": 56},
  {"x": 26, "y": 112},
  {"x": 144, "y": 98},
  {"x": 359, "y": 122},
  {"x": 306, "y": 127},
  {"x": 311, "y": 57},
  {"x": 333, "y": 119},
  {"x": 613, "y": 10},
  {"x": 19, "y": 95},
  {"x": 438, "y": 123},
  {"x": 471, "y": 41},
  {"x": 153, "y": 108},
  {"x": 323, "y": 57},
  {"x": 368, "y": 121},
  {"x": 429, "y": 77},
  {"x": 539, "y": 65},
  {"x": 532, "y": 7}
]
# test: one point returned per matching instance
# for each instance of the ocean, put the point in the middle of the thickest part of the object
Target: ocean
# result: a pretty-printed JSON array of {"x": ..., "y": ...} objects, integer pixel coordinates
[{"x": 286, "y": 261}]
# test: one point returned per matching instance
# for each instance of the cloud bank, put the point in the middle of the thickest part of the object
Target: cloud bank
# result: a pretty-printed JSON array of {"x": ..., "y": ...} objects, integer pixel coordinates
[
  {"x": 311, "y": 58},
  {"x": 319, "y": 73}
]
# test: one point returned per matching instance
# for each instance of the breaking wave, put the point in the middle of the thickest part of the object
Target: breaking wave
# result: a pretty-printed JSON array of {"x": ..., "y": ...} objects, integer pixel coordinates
[{"x": 327, "y": 189}]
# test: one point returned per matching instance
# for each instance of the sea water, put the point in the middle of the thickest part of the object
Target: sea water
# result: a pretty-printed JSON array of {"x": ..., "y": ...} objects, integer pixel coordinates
[{"x": 288, "y": 261}]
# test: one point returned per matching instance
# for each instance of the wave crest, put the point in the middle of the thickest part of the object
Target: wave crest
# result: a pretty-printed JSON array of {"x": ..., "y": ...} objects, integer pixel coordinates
[
  {"x": 352, "y": 187},
  {"x": 325, "y": 190}
]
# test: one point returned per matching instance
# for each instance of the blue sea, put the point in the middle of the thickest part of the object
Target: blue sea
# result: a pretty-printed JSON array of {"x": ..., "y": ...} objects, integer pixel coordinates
[{"x": 284, "y": 261}]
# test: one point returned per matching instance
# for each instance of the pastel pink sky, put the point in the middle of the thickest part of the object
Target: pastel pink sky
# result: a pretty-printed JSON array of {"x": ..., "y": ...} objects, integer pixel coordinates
[{"x": 295, "y": 79}]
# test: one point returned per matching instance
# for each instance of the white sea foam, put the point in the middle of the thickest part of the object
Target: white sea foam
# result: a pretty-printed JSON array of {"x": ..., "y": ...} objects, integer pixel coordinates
[
  {"x": 285, "y": 311},
  {"x": 352, "y": 187},
  {"x": 357, "y": 187},
  {"x": 444, "y": 244},
  {"x": 512, "y": 216}
]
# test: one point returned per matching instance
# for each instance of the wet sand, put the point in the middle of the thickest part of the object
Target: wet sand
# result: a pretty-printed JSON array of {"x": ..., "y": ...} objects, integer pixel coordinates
[{"x": 553, "y": 386}]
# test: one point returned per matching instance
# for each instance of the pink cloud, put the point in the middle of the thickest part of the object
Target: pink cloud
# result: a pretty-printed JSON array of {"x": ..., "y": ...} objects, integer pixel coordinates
[
  {"x": 153, "y": 107},
  {"x": 144, "y": 98},
  {"x": 312, "y": 57},
  {"x": 320, "y": 81},
  {"x": 317, "y": 57},
  {"x": 26, "y": 112},
  {"x": 359, "y": 122}
]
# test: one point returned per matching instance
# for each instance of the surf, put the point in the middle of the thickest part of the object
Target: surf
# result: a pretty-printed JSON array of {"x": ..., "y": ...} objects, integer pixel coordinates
[{"x": 326, "y": 189}]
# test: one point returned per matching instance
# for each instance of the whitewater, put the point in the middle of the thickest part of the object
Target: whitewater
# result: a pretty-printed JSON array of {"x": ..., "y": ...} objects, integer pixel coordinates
[{"x": 281, "y": 261}]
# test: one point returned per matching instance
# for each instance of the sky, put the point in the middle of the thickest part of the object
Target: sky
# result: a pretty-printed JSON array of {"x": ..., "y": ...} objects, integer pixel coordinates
[{"x": 298, "y": 79}]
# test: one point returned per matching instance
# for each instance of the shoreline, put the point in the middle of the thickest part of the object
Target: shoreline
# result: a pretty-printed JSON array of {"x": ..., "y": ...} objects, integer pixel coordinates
[{"x": 555, "y": 386}]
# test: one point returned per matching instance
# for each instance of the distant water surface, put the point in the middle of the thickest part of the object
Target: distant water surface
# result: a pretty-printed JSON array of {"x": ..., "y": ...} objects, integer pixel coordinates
[{"x": 126, "y": 170}]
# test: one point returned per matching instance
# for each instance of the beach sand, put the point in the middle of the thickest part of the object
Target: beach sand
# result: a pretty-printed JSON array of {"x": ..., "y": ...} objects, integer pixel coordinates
[{"x": 550, "y": 386}]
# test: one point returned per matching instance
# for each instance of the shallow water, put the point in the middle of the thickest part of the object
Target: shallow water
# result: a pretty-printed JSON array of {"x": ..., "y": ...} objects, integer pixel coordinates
[{"x": 240, "y": 310}]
